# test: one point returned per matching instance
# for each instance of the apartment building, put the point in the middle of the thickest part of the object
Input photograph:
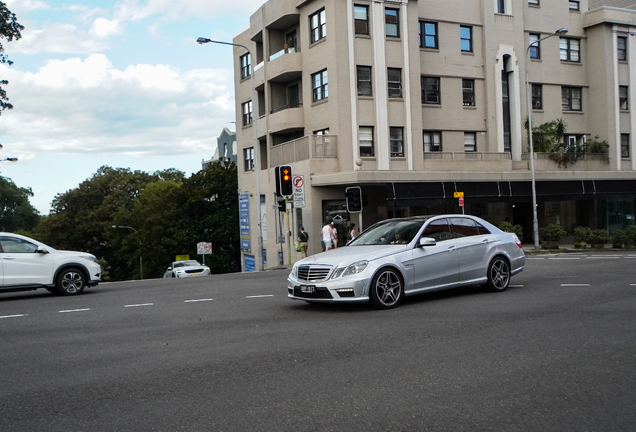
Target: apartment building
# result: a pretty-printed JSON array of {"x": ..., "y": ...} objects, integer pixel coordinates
[{"x": 413, "y": 100}]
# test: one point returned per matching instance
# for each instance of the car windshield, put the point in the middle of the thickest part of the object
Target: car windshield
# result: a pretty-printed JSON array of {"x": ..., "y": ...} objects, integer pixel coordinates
[
  {"x": 187, "y": 263},
  {"x": 390, "y": 232}
]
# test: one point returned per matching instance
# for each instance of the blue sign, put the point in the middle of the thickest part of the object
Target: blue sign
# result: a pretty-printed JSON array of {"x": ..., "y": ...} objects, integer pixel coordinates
[
  {"x": 246, "y": 244},
  {"x": 244, "y": 214},
  {"x": 250, "y": 264}
]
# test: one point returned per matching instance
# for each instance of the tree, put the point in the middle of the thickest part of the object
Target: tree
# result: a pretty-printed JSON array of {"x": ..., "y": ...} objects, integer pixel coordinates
[
  {"x": 9, "y": 29},
  {"x": 16, "y": 212}
]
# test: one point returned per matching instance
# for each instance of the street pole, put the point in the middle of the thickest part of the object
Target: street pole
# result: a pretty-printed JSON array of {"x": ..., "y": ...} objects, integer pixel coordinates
[
  {"x": 257, "y": 150},
  {"x": 535, "y": 220}
]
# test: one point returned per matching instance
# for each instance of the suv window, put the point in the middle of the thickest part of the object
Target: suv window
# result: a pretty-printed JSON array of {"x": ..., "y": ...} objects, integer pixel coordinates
[
  {"x": 464, "y": 227},
  {"x": 439, "y": 230},
  {"x": 15, "y": 245}
]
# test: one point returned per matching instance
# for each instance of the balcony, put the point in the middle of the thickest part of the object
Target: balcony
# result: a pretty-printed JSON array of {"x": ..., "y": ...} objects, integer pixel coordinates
[
  {"x": 467, "y": 161},
  {"x": 286, "y": 119},
  {"x": 307, "y": 147},
  {"x": 285, "y": 66},
  {"x": 586, "y": 162}
]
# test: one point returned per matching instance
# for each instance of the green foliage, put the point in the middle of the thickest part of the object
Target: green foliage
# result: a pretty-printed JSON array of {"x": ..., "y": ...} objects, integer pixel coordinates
[
  {"x": 631, "y": 235},
  {"x": 582, "y": 234},
  {"x": 16, "y": 212},
  {"x": 9, "y": 30},
  {"x": 599, "y": 236},
  {"x": 508, "y": 227},
  {"x": 552, "y": 232},
  {"x": 620, "y": 236}
]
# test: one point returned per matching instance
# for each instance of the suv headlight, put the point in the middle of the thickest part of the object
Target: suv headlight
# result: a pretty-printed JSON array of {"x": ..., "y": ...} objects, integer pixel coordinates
[
  {"x": 355, "y": 268},
  {"x": 90, "y": 258}
]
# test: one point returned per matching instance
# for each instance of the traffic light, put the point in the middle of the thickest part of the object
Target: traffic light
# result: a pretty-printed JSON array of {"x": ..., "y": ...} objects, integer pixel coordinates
[
  {"x": 282, "y": 207},
  {"x": 285, "y": 181},
  {"x": 354, "y": 199}
]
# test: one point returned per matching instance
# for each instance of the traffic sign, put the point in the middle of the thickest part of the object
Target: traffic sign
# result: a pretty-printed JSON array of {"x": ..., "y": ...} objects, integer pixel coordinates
[
  {"x": 461, "y": 201},
  {"x": 204, "y": 248},
  {"x": 458, "y": 194},
  {"x": 299, "y": 191}
]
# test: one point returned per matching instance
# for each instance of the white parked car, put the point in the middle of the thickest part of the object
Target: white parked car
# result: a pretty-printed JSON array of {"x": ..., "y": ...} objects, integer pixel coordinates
[
  {"x": 186, "y": 268},
  {"x": 401, "y": 257},
  {"x": 26, "y": 264}
]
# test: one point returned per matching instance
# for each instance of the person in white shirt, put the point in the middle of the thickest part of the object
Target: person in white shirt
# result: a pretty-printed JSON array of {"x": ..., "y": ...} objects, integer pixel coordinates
[
  {"x": 327, "y": 235},
  {"x": 334, "y": 235}
]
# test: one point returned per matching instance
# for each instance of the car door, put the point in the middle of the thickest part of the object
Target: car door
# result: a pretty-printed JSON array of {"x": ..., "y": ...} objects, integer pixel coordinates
[
  {"x": 473, "y": 245},
  {"x": 22, "y": 264},
  {"x": 435, "y": 266}
]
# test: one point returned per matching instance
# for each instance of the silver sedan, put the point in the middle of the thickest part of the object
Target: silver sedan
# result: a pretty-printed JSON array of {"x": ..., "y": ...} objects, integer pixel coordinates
[
  {"x": 186, "y": 268},
  {"x": 401, "y": 257}
]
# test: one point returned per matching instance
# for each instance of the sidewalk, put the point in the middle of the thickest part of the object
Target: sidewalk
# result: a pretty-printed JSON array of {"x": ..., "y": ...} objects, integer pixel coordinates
[{"x": 528, "y": 249}]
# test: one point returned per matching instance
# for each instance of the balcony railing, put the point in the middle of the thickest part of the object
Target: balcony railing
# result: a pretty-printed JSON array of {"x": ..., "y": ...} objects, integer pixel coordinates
[
  {"x": 282, "y": 52},
  {"x": 585, "y": 156},
  {"x": 284, "y": 107},
  {"x": 467, "y": 155},
  {"x": 307, "y": 147}
]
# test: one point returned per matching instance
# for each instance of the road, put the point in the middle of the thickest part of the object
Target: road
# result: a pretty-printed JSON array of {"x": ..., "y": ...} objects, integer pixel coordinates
[{"x": 556, "y": 351}]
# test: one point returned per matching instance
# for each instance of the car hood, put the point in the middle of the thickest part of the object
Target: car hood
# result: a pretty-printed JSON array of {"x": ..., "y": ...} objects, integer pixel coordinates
[
  {"x": 343, "y": 256},
  {"x": 76, "y": 253}
]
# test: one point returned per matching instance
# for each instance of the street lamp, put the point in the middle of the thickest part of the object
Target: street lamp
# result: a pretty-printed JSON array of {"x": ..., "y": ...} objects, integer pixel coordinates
[
  {"x": 535, "y": 221},
  {"x": 257, "y": 162},
  {"x": 141, "y": 265},
  {"x": 9, "y": 159}
]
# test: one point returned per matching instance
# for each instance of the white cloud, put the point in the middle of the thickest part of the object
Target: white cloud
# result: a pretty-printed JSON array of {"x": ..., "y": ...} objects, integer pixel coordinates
[
  {"x": 103, "y": 27},
  {"x": 17, "y": 6},
  {"x": 58, "y": 38}
]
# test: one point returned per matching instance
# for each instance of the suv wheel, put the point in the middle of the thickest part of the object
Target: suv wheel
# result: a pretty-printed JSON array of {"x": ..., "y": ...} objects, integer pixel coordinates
[{"x": 70, "y": 282}]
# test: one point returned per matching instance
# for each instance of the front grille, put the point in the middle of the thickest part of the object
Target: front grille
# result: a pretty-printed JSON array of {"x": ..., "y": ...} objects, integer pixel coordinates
[
  {"x": 313, "y": 273},
  {"x": 194, "y": 271}
]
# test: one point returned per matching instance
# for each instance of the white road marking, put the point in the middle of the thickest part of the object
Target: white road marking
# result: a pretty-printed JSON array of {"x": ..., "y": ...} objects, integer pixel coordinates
[
  {"x": 573, "y": 258},
  {"x": 74, "y": 310},
  {"x": 536, "y": 258},
  {"x": 515, "y": 286},
  {"x": 142, "y": 304},
  {"x": 604, "y": 256},
  {"x": 198, "y": 300},
  {"x": 259, "y": 296},
  {"x": 629, "y": 285},
  {"x": 574, "y": 285},
  {"x": 13, "y": 316}
]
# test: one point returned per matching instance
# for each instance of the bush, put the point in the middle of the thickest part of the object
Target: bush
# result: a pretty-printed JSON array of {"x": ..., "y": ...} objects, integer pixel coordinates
[
  {"x": 631, "y": 235},
  {"x": 620, "y": 236},
  {"x": 552, "y": 232},
  {"x": 599, "y": 236},
  {"x": 509, "y": 228},
  {"x": 582, "y": 234}
]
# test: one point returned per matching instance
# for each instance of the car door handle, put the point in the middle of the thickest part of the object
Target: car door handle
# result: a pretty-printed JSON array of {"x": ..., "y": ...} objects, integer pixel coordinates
[
  {"x": 8, "y": 258},
  {"x": 451, "y": 248},
  {"x": 486, "y": 241}
]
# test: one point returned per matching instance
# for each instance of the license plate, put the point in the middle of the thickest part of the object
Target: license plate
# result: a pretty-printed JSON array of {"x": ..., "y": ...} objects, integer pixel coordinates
[
  {"x": 196, "y": 274},
  {"x": 307, "y": 288}
]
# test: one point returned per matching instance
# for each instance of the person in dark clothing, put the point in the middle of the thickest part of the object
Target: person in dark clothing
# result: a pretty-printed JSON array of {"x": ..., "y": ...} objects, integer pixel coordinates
[{"x": 303, "y": 238}]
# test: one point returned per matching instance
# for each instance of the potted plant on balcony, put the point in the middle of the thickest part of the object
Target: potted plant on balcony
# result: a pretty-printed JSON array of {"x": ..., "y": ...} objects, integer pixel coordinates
[
  {"x": 598, "y": 238},
  {"x": 551, "y": 235},
  {"x": 619, "y": 238},
  {"x": 581, "y": 237}
]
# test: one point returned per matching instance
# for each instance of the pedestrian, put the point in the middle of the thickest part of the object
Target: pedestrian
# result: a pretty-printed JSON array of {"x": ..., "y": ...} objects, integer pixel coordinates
[
  {"x": 352, "y": 232},
  {"x": 326, "y": 234},
  {"x": 334, "y": 235},
  {"x": 303, "y": 238}
]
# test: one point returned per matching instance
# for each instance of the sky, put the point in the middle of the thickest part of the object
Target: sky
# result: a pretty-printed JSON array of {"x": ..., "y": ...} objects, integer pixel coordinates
[{"x": 116, "y": 83}]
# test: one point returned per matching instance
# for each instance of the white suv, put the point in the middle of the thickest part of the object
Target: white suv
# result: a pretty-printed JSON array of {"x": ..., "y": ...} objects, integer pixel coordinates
[{"x": 26, "y": 264}]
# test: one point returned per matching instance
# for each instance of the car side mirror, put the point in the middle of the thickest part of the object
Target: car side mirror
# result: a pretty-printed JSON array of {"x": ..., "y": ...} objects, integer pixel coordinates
[
  {"x": 169, "y": 268},
  {"x": 426, "y": 241},
  {"x": 41, "y": 250}
]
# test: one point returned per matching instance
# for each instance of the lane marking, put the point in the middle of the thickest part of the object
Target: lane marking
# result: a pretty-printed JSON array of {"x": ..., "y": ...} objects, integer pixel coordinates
[
  {"x": 601, "y": 256},
  {"x": 629, "y": 285},
  {"x": 574, "y": 285},
  {"x": 515, "y": 286},
  {"x": 13, "y": 316},
  {"x": 198, "y": 300},
  {"x": 142, "y": 304},
  {"x": 536, "y": 258},
  {"x": 74, "y": 310},
  {"x": 259, "y": 296},
  {"x": 573, "y": 258}
]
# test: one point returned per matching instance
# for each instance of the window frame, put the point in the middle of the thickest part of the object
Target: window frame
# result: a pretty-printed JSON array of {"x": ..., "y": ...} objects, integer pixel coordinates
[
  {"x": 569, "y": 50},
  {"x": 246, "y": 65},
  {"x": 426, "y": 91},
  {"x": 322, "y": 88},
  {"x": 623, "y": 99},
  {"x": 536, "y": 97},
  {"x": 320, "y": 30},
  {"x": 357, "y": 20},
  {"x": 321, "y": 132},
  {"x": 574, "y": 5},
  {"x": 474, "y": 143},
  {"x": 569, "y": 90},
  {"x": 471, "y": 92},
  {"x": 424, "y": 35},
  {"x": 536, "y": 47},
  {"x": 621, "y": 52},
  {"x": 248, "y": 116},
  {"x": 462, "y": 39},
  {"x": 397, "y": 141},
  {"x": 432, "y": 147},
  {"x": 372, "y": 141},
  {"x": 248, "y": 159},
  {"x": 396, "y": 23},
  {"x": 533, "y": 2},
  {"x": 501, "y": 6},
  {"x": 394, "y": 88},
  {"x": 624, "y": 145},
  {"x": 359, "y": 80}
]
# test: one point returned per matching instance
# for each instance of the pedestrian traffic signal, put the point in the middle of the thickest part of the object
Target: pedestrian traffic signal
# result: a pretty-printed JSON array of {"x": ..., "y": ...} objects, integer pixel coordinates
[
  {"x": 354, "y": 199},
  {"x": 285, "y": 181}
]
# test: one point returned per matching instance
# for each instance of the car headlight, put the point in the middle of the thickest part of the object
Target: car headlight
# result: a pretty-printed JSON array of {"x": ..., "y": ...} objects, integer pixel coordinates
[
  {"x": 355, "y": 268},
  {"x": 294, "y": 271},
  {"x": 90, "y": 258}
]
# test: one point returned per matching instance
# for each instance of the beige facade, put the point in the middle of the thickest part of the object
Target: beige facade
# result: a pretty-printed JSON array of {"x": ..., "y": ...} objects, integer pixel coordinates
[{"x": 463, "y": 88}]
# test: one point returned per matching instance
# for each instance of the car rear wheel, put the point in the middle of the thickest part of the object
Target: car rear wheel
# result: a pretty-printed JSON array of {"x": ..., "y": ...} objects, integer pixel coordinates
[
  {"x": 387, "y": 289},
  {"x": 498, "y": 275},
  {"x": 70, "y": 282}
]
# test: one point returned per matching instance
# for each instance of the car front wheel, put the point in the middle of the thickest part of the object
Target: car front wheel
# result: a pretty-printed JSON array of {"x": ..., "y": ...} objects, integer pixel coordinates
[
  {"x": 498, "y": 275},
  {"x": 386, "y": 290},
  {"x": 70, "y": 282}
]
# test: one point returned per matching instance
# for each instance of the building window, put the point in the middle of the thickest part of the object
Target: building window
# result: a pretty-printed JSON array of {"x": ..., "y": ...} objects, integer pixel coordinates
[
  {"x": 322, "y": 132},
  {"x": 248, "y": 157},
  {"x": 622, "y": 48},
  {"x": 432, "y": 141},
  {"x": 574, "y": 5},
  {"x": 318, "y": 26},
  {"x": 466, "y": 35},
  {"x": 535, "y": 48},
  {"x": 470, "y": 142},
  {"x": 395, "y": 82},
  {"x": 246, "y": 68},
  {"x": 361, "y": 19},
  {"x": 623, "y": 98},
  {"x": 537, "y": 96},
  {"x": 365, "y": 139},
  {"x": 364, "y": 81},
  {"x": 501, "y": 6},
  {"x": 571, "y": 98},
  {"x": 396, "y": 135},
  {"x": 570, "y": 50},
  {"x": 247, "y": 113},
  {"x": 431, "y": 91},
  {"x": 428, "y": 35},
  {"x": 468, "y": 92},
  {"x": 624, "y": 145},
  {"x": 320, "y": 87},
  {"x": 533, "y": 2},
  {"x": 391, "y": 19}
]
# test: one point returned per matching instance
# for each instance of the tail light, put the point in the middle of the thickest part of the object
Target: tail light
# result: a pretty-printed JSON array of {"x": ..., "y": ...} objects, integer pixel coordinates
[{"x": 518, "y": 242}]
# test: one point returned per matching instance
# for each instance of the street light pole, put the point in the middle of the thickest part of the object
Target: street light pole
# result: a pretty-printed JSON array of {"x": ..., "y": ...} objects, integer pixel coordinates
[
  {"x": 535, "y": 220},
  {"x": 257, "y": 151},
  {"x": 141, "y": 265}
]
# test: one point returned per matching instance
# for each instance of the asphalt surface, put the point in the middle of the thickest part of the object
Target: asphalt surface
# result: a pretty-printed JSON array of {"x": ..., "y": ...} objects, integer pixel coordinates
[{"x": 556, "y": 351}]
